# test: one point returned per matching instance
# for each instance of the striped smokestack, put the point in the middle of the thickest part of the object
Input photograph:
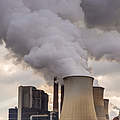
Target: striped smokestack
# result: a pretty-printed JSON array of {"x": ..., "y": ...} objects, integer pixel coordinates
[
  {"x": 55, "y": 97},
  {"x": 106, "y": 104},
  {"x": 99, "y": 102},
  {"x": 62, "y": 97}
]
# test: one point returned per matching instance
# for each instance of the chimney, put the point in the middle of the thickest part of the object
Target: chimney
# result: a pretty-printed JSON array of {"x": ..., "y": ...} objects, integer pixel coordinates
[
  {"x": 78, "y": 99},
  {"x": 106, "y": 104},
  {"x": 99, "y": 102},
  {"x": 62, "y": 97},
  {"x": 55, "y": 97}
]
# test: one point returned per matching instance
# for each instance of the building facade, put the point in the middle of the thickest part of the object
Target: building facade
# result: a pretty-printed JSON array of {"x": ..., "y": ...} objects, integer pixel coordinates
[
  {"x": 31, "y": 101},
  {"x": 13, "y": 113}
]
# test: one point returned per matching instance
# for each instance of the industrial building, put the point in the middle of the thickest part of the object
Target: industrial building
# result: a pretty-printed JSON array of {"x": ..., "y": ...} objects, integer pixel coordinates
[
  {"x": 49, "y": 116},
  {"x": 40, "y": 117},
  {"x": 31, "y": 101},
  {"x": 12, "y": 113}
]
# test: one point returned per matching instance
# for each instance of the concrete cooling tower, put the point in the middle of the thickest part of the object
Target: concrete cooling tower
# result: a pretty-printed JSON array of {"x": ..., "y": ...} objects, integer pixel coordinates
[
  {"x": 99, "y": 102},
  {"x": 78, "y": 99},
  {"x": 106, "y": 104}
]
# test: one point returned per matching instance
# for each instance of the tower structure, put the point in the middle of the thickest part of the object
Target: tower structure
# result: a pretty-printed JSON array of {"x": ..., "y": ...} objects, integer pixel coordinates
[
  {"x": 78, "y": 99},
  {"x": 99, "y": 102}
]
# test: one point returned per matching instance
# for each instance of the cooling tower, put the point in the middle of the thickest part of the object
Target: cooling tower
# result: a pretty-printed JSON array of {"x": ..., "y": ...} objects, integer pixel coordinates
[
  {"x": 99, "y": 102},
  {"x": 62, "y": 97},
  {"x": 78, "y": 99},
  {"x": 106, "y": 104}
]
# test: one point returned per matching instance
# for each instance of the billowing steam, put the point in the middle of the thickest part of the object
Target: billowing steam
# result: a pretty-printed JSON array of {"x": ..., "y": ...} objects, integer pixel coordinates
[
  {"x": 50, "y": 34},
  {"x": 45, "y": 40}
]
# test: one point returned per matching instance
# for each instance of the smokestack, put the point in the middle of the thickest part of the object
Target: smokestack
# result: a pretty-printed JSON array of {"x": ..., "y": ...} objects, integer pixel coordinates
[
  {"x": 62, "y": 97},
  {"x": 119, "y": 115},
  {"x": 55, "y": 97},
  {"x": 78, "y": 99},
  {"x": 99, "y": 102},
  {"x": 106, "y": 104}
]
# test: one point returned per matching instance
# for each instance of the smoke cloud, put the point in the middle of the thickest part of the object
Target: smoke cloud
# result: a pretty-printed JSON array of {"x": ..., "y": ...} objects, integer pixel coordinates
[
  {"x": 46, "y": 41},
  {"x": 103, "y": 14},
  {"x": 51, "y": 37},
  {"x": 114, "y": 107}
]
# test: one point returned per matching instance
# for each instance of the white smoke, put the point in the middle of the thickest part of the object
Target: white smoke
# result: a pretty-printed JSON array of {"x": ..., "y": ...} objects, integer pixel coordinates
[
  {"x": 104, "y": 45},
  {"x": 115, "y": 107},
  {"x": 96, "y": 83},
  {"x": 45, "y": 34},
  {"x": 46, "y": 41}
]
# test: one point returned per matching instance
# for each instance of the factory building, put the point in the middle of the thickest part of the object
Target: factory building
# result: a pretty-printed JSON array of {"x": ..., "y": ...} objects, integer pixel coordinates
[
  {"x": 78, "y": 99},
  {"x": 40, "y": 117},
  {"x": 99, "y": 102},
  {"x": 12, "y": 113},
  {"x": 31, "y": 102}
]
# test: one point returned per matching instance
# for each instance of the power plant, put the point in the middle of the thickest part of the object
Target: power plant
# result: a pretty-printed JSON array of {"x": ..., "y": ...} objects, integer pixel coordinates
[{"x": 78, "y": 99}]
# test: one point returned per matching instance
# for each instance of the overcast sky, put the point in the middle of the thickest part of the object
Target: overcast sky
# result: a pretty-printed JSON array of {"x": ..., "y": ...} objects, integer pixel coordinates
[
  {"x": 58, "y": 37},
  {"x": 11, "y": 76}
]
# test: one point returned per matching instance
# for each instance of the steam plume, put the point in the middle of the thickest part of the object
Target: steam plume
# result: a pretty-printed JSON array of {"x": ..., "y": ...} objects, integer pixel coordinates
[
  {"x": 45, "y": 40},
  {"x": 115, "y": 107},
  {"x": 44, "y": 33}
]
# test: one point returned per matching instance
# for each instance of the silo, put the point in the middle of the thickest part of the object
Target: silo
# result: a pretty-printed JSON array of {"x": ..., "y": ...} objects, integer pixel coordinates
[
  {"x": 78, "y": 99},
  {"x": 106, "y": 104},
  {"x": 99, "y": 102}
]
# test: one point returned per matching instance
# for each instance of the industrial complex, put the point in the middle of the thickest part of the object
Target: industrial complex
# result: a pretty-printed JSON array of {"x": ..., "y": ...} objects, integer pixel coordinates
[{"x": 80, "y": 100}]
